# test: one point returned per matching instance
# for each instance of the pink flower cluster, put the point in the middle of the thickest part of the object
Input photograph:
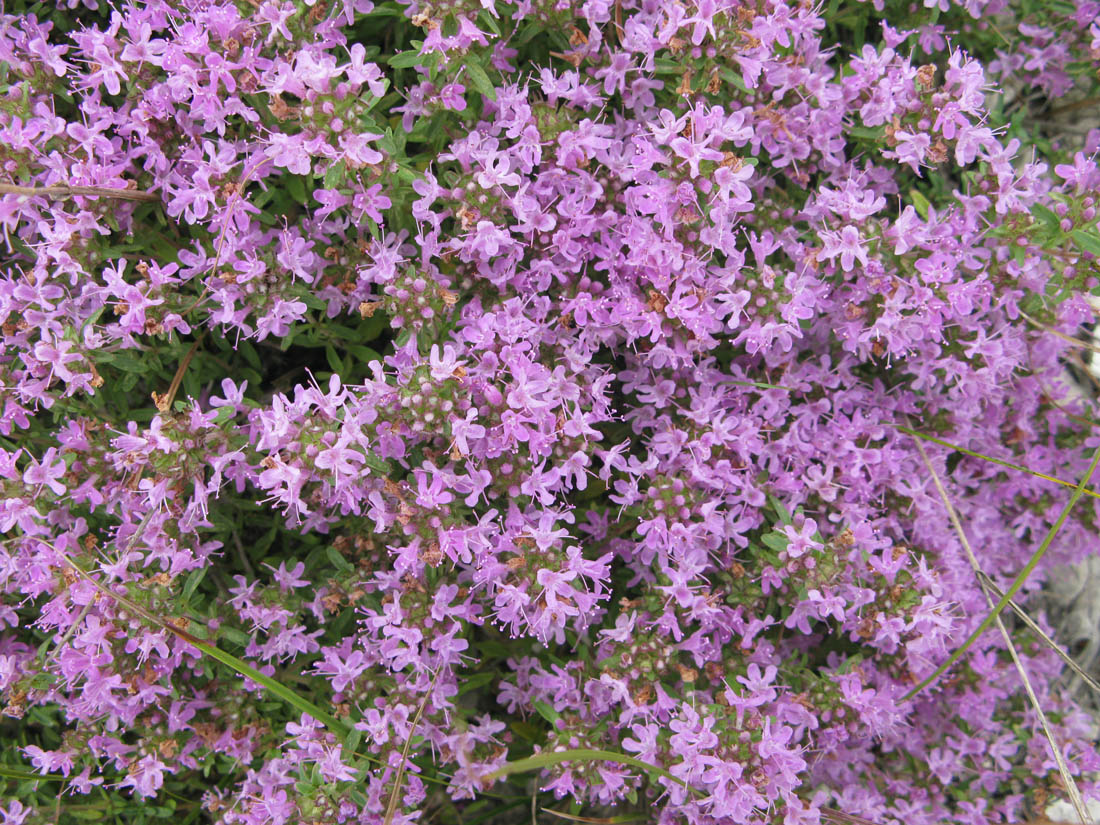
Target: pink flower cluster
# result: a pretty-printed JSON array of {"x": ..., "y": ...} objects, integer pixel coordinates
[{"x": 514, "y": 378}]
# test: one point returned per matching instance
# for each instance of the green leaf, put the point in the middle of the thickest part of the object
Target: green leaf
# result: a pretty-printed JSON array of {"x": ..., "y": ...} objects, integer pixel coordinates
[
  {"x": 776, "y": 541},
  {"x": 334, "y": 175},
  {"x": 546, "y": 711},
  {"x": 476, "y": 680},
  {"x": 334, "y": 360},
  {"x": 42, "y": 680},
  {"x": 481, "y": 80},
  {"x": 407, "y": 60},
  {"x": 124, "y": 362},
  {"x": 870, "y": 133},
  {"x": 311, "y": 300},
  {"x": 296, "y": 186},
  {"x": 364, "y": 354},
  {"x": 232, "y": 634},
  {"x": 783, "y": 513},
  {"x": 192, "y": 583},
  {"x": 379, "y": 465},
  {"x": 1045, "y": 215},
  {"x": 490, "y": 22},
  {"x": 261, "y": 546},
  {"x": 920, "y": 203},
  {"x": 1086, "y": 241},
  {"x": 527, "y": 731},
  {"x": 338, "y": 561},
  {"x": 388, "y": 10},
  {"x": 223, "y": 414},
  {"x": 354, "y": 737}
]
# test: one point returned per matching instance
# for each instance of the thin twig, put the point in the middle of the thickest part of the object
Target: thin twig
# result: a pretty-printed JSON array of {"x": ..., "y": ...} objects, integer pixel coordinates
[
  {"x": 1063, "y": 769},
  {"x": 399, "y": 779},
  {"x": 1017, "y": 583},
  {"x": 164, "y": 402},
  {"x": 62, "y": 191},
  {"x": 1038, "y": 631},
  {"x": 1069, "y": 339}
]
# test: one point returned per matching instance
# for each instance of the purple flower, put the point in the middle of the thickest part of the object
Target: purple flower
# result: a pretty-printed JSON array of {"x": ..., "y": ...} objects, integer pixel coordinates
[
  {"x": 847, "y": 243},
  {"x": 48, "y": 472}
]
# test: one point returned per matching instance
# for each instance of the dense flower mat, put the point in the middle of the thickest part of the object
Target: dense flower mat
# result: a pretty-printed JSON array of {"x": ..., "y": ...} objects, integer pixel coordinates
[{"x": 512, "y": 379}]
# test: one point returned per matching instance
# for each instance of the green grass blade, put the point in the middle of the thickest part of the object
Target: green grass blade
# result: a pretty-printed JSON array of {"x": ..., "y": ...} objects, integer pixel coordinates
[
  {"x": 594, "y": 820},
  {"x": 544, "y": 760},
  {"x": 242, "y": 667},
  {"x": 295, "y": 700},
  {"x": 1017, "y": 583},
  {"x": 16, "y": 774},
  {"x": 989, "y": 458}
]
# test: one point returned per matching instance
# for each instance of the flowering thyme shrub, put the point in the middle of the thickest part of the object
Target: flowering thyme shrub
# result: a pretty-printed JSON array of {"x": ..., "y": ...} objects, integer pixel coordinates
[{"x": 506, "y": 379}]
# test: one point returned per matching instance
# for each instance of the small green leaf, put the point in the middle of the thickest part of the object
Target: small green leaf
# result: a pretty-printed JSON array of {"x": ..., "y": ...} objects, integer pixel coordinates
[
  {"x": 407, "y": 60},
  {"x": 334, "y": 175},
  {"x": 311, "y": 300},
  {"x": 546, "y": 711},
  {"x": 232, "y": 634},
  {"x": 333, "y": 360},
  {"x": 224, "y": 414},
  {"x": 193, "y": 580},
  {"x": 125, "y": 362},
  {"x": 490, "y": 22},
  {"x": 870, "y": 133},
  {"x": 296, "y": 186},
  {"x": 1045, "y": 215},
  {"x": 776, "y": 541},
  {"x": 338, "y": 561},
  {"x": 1086, "y": 241},
  {"x": 351, "y": 743},
  {"x": 379, "y": 465},
  {"x": 481, "y": 80},
  {"x": 476, "y": 680},
  {"x": 783, "y": 513},
  {"x": 364, "y": 354},
  {"x": 920, "y": 203},
  {"x": 43, "y": 681}
]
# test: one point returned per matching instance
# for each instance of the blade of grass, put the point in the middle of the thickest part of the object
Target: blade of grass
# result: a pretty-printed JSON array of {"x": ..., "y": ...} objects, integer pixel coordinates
[
  {"x": 15, "y": 774},
  {"x": 291, "y": 697},
  {"x": 989, "y": 458},
  {"x": 1069, "y": 339},
  {"x": 1063, "y": 768},
  {"x": 760, "y": 385},
  {"x": 57, "y": 648},
  {"x": 545, "y": 760},
  {"x": 1017, "y": 583},
  {"x": 842, "y": 818},
  {"x": 63, "y": 191},
  {"x": 399, "y": 779},
  {"x": 1038, "y": 631},
  {"x": 593, "y": 820}
]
